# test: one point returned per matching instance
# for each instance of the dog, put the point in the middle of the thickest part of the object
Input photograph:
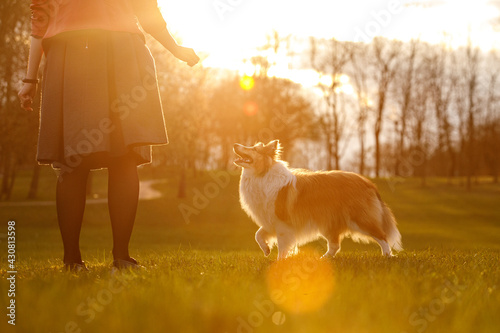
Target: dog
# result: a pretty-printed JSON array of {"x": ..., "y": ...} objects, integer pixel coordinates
[{"x": 295, "y": 206}]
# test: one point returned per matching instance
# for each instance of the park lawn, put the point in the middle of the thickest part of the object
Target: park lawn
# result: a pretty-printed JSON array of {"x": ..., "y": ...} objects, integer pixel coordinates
[{"x": 205, "y": 273}]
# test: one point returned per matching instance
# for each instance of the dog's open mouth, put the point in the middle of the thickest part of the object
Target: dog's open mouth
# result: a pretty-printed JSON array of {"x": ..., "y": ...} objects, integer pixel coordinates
[{"x": 243, "y": 158}]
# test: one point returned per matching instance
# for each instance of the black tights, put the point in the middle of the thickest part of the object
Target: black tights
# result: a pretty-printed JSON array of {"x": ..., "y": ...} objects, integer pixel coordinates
[{"x": 123, "y": 196}]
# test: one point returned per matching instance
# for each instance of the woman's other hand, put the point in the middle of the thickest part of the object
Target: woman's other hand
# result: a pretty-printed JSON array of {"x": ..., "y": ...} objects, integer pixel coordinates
[{"x": 26, "y": 95}]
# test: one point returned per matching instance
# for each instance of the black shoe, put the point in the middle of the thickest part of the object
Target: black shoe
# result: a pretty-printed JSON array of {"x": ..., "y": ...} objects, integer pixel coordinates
[
  {"x": 76, "y": 267},
  {"x": 126, "y": 263}
]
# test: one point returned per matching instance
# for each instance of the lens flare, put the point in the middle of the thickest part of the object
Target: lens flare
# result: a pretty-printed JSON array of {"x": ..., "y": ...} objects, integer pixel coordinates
[
  {"x": 250, "y": 108},
  {"x": 247, "y": 82},
  {"x": 302, "y": 283}
]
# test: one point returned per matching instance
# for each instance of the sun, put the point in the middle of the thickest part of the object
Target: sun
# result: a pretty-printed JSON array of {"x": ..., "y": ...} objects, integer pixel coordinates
[{"x": 247, "y": 82}]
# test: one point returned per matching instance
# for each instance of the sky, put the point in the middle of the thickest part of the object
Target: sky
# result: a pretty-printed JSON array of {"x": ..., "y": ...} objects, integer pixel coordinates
[{"x": 230, "y": 30}]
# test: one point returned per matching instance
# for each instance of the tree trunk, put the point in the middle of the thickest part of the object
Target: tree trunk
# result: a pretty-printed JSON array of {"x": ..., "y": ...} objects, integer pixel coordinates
[
  {"x": 361, "y": 155},
  {"x": 378, "y": 129},
  {"x": 470, "y": 150},
  {"x": 337, "y": 155},
  {"x": 34, "y": 181},
  {"x": 89, "y": 184},
  {"x": 453, "y": 160},
  {"x": 9, "y": 176},
  {"x": 12, "y": 179},
  {"x": 495, "y": 171},
  {"x": 423, "y": 182},
  {"x": 329, "y": 148},
  {"x": 4, "y": 193},
  {"x": 181, "y": 193},
  {"x": 377, "y": 153},
  {"x": 495, "y": 154}
]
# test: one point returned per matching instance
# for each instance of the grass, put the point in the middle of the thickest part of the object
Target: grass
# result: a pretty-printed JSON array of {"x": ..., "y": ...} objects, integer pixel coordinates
[{"x": 207, "y": 274}]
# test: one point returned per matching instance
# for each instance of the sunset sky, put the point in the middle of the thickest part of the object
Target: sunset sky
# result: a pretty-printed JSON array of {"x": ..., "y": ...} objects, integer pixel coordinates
[{"x": 230, "y": 30}]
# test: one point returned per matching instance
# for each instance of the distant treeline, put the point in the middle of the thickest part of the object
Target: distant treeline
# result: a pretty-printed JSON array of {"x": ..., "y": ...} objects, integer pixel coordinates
[{"x": 384, "y": 108}]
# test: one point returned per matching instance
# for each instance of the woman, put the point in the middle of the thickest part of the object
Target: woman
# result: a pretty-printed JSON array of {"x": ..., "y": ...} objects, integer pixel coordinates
[{"x": 100, "y": 106}]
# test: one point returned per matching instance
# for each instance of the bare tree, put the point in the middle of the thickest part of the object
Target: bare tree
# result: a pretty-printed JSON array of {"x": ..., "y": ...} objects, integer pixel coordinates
[
  {"x": 359, "y": 76},
  {"x": 418, "y": 119},
  {"x": 329, "y": 58},
  {"x": 283, "y": 111},
  {"x": 441, "y": 78},
  {"x": 228, "y": 108},
  {"x": 491, "y": 133},
  {"x": 185, "y": 101},
  {"x": 470, "y": 74},
  {"x": 18, "y": 128},
  {"x": 384, "y": 68},
  {"x": 403, "y": 88}
]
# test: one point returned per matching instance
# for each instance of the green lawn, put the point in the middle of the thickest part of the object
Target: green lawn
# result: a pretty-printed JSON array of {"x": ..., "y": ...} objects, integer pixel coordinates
[{"x": 205, "y": 273}]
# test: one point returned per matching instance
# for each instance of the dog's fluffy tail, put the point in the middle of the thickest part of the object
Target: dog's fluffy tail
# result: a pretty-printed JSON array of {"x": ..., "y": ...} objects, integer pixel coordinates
[{"x": 391, "y": 229}]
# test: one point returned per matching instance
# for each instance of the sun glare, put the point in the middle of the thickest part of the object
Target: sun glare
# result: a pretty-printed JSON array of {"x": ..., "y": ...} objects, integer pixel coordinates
[{"x": 247, "y": 82}]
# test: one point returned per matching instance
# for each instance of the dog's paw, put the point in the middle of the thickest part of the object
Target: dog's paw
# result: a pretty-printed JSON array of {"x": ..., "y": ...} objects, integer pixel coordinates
[{"x": 265, "y": 248}]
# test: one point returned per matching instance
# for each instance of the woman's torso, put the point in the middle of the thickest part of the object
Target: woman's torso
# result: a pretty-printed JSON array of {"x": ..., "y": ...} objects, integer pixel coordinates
[{"x": 51, "y": 17}]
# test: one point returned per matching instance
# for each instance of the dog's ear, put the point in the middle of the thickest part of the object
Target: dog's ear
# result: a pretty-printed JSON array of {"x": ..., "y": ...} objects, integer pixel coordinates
[
  {"x": 273, "y": 149},
  {"x": 273, "y": 144}
]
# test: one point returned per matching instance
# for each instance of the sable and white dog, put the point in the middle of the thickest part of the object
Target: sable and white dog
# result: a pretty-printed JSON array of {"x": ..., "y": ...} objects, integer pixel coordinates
[{"x": 296, "y": 206}]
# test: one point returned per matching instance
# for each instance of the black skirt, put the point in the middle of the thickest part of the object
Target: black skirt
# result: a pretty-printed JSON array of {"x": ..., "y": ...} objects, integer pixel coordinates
[{"x": 100, "y": 100}]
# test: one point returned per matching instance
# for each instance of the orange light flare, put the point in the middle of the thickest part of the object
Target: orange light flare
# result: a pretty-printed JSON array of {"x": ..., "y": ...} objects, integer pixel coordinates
[
  {"x": 250, "y": 108},
  {"x": 301, "y": 283}
]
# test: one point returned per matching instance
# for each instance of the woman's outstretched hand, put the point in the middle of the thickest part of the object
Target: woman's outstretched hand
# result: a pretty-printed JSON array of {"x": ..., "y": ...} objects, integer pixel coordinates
[
  {"x": 26, "y": 95},
  {"x": 186, "y": 54}
]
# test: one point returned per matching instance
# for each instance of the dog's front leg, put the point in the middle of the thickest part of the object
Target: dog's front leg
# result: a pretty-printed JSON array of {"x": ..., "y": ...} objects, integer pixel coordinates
[
  {"x": 286, "y": 241},
  {"x": 286, "y": 245},
  {"x": 262, "y": 237}
]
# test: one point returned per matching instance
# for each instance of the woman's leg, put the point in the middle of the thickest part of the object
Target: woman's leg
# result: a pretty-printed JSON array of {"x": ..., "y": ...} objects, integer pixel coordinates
[
  {"x": 70, "y": 199},
  {"x": 123, "y": 196}
]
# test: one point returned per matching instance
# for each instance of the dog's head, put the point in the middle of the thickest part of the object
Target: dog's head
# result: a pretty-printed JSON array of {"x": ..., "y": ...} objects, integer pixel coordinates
[{"x": 259, "y": 157}]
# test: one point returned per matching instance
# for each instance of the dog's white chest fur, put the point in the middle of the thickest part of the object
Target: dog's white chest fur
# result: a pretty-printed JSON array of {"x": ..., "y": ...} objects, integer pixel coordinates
[{"x": 258, "y": 193}]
